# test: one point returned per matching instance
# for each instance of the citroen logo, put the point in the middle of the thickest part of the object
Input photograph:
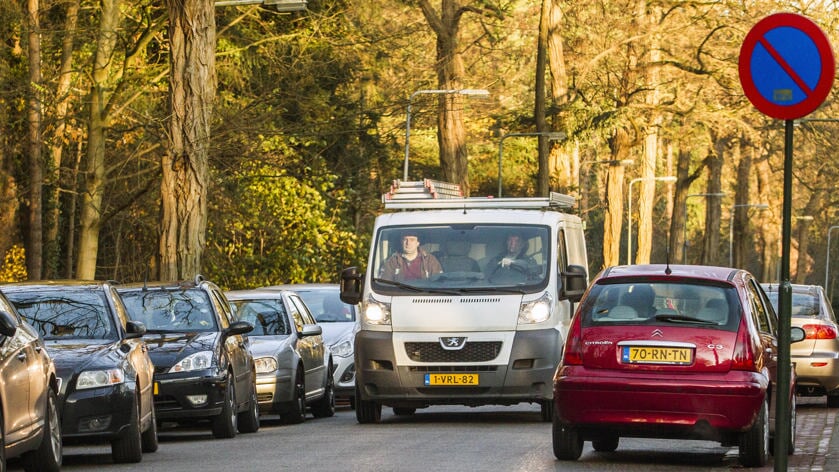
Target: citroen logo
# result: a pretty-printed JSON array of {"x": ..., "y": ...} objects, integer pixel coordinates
[
  {"x": 657, "y": 332},
  {"x": 453, "y": 343}
]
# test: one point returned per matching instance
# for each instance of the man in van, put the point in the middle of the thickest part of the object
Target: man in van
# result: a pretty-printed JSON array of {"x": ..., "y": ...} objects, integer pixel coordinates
[{"x": 412, "y": 263}]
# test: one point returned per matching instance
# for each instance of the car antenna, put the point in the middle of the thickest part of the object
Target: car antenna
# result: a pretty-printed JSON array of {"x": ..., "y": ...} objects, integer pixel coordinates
[{"x": 667, "y": 270}]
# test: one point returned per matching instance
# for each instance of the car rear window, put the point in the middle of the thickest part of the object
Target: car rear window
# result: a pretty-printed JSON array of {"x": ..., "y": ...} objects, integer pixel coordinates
[
  {"x": 804, "y": 305},
  {"x": 658, "y": 303}
]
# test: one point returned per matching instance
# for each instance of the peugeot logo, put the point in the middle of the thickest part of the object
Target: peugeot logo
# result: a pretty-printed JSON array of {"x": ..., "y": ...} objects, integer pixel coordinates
[
  {"x": 453, "y": 343},
  {"x": 657, "y": 332}
]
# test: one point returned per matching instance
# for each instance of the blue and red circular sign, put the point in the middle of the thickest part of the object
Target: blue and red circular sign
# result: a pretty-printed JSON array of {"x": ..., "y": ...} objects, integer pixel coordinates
[{"x": 786, "y": 66}]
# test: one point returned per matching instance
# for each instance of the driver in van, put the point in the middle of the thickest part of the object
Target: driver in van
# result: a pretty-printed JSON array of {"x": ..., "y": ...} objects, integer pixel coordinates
[
  {"x": 513, "y": 254},
  {"x": 412, "y": 263}
]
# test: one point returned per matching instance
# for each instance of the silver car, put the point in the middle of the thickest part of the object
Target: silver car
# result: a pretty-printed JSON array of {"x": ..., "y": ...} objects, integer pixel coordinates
[
  {"x": 817, "y": 357},
  {"x": 340, "y": 323},
  {"x": 293, "y": 365}
]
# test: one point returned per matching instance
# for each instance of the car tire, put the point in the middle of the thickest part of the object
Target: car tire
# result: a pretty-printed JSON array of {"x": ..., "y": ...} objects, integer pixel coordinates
[
  {"x": 249, "y": 420},
  {"x": 567, "y": 443},
  {"x": 403, "y": 411},
  {"x": 366, "y": 411},
  {"x": 754, "y": 442},
  {"x": 296, "y": 412},
  {"x": 149, "y": 437},
  {"x": 47, "y": 458},
  {"x": 606, "y": 443},
  {"x": 224, "y": 425},
  {"x": 833, "y": 399},
  {"x": 547, "y": 410},
  {"x": 325, "y": 407},
  {"x": 128, "y": 447}
]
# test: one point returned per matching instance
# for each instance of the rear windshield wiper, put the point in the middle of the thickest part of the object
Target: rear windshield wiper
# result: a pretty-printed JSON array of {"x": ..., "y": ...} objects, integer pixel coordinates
[{"x": 681, "y": 319}]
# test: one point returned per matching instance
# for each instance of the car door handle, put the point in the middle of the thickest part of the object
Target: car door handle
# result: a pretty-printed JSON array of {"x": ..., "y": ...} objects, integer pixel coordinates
[{"x": 21, "y": 357}]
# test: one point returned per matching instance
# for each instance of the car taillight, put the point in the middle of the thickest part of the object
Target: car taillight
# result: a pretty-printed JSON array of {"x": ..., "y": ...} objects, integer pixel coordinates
[
  {"x": 572, "y": 353},
  {"x": 819, "y": 331},
  {"x": 744, "y": 355}
]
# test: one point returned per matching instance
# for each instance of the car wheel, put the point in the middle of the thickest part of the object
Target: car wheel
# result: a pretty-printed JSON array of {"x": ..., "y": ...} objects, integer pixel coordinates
[
  {"x": 547, "y": 410},
  {"x": 224, "y": 425},
  {"x": 47, "y": 458},
  {"x": 297, "y": 410},
  {"x": 754, "y": 442},
  {"x": 403, "y": 411},
  {"x": 366, "y": 411},
  {"x": 567, "y": 443},
  {"x": 606, "y": 443},
  {"x": 128, "y": 447},
  {"x": 149, "y": 437},
  {"x": 325, "y": 407},
  {"x": 249, "y": 420},
  {"x": 833, "y": 399}
]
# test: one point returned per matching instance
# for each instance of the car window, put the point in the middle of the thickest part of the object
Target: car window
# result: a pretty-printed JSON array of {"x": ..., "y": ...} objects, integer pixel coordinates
[
  {"x": 222, "y": 307},
  {"x": 171, "y": 310},
  {"x": 296, "y": 317},
  {"x": 268, "y": 316},
  {"x": 308, "y": 318},
  {"x": 63, "y": 313},
  {"x": 327, "y": 307},
  {"x": 759, "y": 312}
]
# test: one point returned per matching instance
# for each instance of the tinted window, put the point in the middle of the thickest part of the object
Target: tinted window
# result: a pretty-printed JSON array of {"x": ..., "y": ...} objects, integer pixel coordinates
[
  {"x": 327, "y": 307},
  {"x": 268, "y": 316},
  {"x": 759, "y": 313},
  {"x": 171, "y": 310},
  {"x": 65, "y": 313}
]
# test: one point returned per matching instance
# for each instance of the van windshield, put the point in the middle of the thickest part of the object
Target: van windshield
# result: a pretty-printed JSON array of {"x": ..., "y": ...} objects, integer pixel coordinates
[{"x": 461, "y": 257}]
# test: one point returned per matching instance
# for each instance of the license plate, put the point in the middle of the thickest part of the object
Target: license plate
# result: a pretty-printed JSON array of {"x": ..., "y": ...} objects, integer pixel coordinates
[
  {"x": 451, "y": 379},
  {"x": 656, "y": 355},
  {"x": 156, "y": 388}
]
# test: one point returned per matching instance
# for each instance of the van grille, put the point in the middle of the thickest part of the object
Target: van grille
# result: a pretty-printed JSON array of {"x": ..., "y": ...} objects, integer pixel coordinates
[{"x": 479, "y": 351}]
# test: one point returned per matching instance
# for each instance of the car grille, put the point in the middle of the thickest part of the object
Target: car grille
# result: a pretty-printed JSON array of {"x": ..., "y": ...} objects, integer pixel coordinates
[{"x": 478, "y": 351}]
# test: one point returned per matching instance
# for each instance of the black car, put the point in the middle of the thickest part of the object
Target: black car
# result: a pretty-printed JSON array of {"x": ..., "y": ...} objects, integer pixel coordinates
[
  {"x": 203, "y": 369},
  {"x": 104, "y": 366},
  {"x": 29, "y": 418}
]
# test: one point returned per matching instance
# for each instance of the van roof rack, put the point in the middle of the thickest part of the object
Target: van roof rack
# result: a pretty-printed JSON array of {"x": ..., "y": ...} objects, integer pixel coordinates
[{"x": 432, "y": 194}]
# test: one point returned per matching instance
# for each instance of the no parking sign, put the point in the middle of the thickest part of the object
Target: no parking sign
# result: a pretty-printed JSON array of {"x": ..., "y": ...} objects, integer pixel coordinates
[{"x": 786, "y": 66}]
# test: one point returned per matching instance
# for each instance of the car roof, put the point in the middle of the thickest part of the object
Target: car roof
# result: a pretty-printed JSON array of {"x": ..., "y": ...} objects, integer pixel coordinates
[
  {"x": 48, "y": 284},
  {"x": 798, "y": 288},
  {"x": 305, "y": 287},
  {"x": 665, "y": 270},
  {"x": 263, "y": 292}
]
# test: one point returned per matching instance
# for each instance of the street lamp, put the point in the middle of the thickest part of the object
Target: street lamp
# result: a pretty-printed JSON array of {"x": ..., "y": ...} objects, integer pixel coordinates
[
  {"x": 551, "y": 135},
  {"x": 467, "y": 92},
  {"x": 760, "y": 206},
  {"x": 827, "y": 261},
  {"x": 666, "y": 178},
  {"x": 685, "y": 232}
]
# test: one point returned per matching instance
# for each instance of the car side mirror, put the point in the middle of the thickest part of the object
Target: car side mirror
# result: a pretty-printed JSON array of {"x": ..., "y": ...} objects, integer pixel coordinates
[
  {"x": 573, "y": 283},
  {"x": 311, "y": 330},
  {"x": 134, "y": 329},
  {"x": 8, "y": 325},
  {"x": 351, "y": 286},
  {"x": 238, "y": 327},
  {"x": 796, "y": 334}
]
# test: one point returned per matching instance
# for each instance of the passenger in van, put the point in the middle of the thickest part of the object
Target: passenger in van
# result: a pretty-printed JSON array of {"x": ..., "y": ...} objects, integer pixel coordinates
[
  {"x": 512, "y": 258},
  {"x": 412, "y": 263}
]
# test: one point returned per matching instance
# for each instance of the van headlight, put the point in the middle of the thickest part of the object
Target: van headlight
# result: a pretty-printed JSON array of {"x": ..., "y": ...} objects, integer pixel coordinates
[
  {"x": 536, "y": 311},
  {"x": 376, "y": 312}
]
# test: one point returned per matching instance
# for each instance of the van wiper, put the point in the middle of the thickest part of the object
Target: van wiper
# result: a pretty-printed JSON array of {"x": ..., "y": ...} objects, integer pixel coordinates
[
  {"x": 504, "y": 290},
  {"x": 414, "y": 288},
  {"x": 681, "y": 319}
]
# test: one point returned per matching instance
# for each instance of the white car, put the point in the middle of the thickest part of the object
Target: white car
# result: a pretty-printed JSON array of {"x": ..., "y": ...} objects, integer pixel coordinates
[{"x": 339, "y": 323}]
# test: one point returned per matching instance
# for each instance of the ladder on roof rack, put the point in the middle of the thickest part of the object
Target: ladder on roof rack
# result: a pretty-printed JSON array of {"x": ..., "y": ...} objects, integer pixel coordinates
[{"x": 431, "y": 194}]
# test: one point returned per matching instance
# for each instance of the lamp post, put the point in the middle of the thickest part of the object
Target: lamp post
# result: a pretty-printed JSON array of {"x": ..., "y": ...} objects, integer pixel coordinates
[
  {"x": 468, "y": 92},
  {"x": 827, "y": 261},
  {"x": 685, "y": 232},
  {"x": 760, "y": 206},
  {"x": 666, "y": 178},
  {"x": 551, "y": 135}
]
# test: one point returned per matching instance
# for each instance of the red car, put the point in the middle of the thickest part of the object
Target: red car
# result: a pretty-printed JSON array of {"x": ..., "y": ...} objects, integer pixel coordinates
[{"x": 662, "y": 351}]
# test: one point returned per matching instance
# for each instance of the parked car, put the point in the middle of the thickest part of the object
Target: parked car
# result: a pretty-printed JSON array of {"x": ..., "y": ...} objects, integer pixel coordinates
[
  {"x": 816, "y": 359},
  {"x": 339, "y": 323},
  {"x": 294, "y": 366},
  {"x": 31, "y": 427},
  {"x": 101, "y": 360},
  {"x": 203, "y": 368},
  {"x": 683, "y": 352}
]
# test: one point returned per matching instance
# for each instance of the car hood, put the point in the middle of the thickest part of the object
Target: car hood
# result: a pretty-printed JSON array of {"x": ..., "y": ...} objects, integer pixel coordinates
[
  {"x": 264, "y": 346},
  {"x": 165, "y": 349},
  {"x": 333, "y": 332},
  {"x": 73, "y": 356}
]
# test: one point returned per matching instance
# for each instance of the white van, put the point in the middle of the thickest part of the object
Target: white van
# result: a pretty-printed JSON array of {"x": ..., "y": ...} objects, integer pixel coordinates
[{"x": 460, "y": 320}]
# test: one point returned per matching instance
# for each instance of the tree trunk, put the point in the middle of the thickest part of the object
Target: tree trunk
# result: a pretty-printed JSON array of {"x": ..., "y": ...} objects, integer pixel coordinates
[
  {"x": 713, "y": 204},
  {"x": 94, "y": 179},
  {"x": 804, "y": 265},
  {"x": 34, "y": 247},
  {"x": 619, "y": 144},
  {"x": 739, "y": 220},
  {"x": 192, "y": 37},
  {"x": 770, "y": 270},
  {"x": 544, "y": 171}
]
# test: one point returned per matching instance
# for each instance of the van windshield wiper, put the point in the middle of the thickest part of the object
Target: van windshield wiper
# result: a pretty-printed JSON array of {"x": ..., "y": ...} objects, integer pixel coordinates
[
  {"x": 414, "y": 288},
  {"x": 681, "y": 319}
]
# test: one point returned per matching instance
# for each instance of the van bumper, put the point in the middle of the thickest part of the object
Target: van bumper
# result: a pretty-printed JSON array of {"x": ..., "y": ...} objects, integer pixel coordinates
[{"x": 526, "y": 376}]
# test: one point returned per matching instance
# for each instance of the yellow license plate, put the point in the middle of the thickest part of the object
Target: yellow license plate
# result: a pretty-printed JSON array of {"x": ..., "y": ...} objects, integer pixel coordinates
[
  {"x": 451, "y": 380},
  {"x": 656, "y": 355},
  {"x": 156, "y": 388}
]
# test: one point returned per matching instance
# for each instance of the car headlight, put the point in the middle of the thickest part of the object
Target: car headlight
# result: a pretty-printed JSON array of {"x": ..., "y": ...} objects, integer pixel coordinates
[
  {"x": 265, "y": 365},
  {"x": 342, "y": 348},
  {"x": 536, "y": 311},
  {"x": 198, "y": 361},
  {"x": 99, "y": 378},
  {"x": 376, "y": 312}
]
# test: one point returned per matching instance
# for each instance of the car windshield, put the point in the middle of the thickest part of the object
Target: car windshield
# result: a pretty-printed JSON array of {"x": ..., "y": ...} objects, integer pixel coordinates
[
  {"x": 66, "y": 313},
  {"x": 461, "y": 258},
  {"x": 804, "y": 305},
  {"x": 327, "y": 307},
  {"x": 268, "y": 316},
  {"x": 657, "y": 303},
  {"x": 171, "y": 310}
]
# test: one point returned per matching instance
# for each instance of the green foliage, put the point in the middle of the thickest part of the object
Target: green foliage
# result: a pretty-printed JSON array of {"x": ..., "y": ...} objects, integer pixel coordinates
[{"x": 14, "y": 265}]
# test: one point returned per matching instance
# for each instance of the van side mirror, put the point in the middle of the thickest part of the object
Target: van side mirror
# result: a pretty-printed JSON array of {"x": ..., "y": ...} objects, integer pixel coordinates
[
  {"x": 573, "y": 283},
  {"x": 351, "y": 286}
]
